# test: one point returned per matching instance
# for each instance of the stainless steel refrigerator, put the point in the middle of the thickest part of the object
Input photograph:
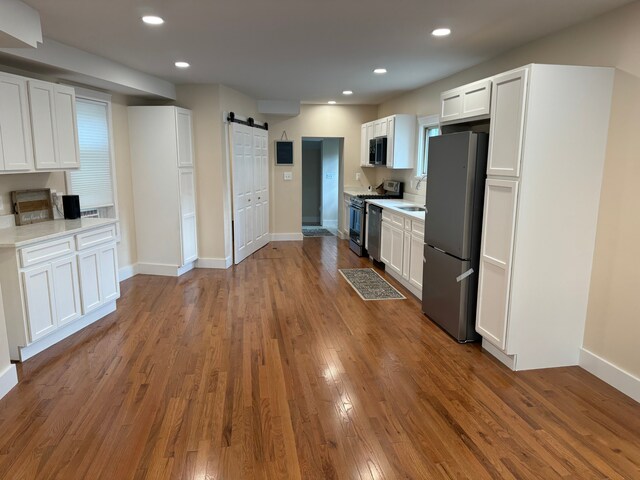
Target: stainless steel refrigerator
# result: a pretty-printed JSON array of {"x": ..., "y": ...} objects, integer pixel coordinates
[{"x": 455, "y": 195}]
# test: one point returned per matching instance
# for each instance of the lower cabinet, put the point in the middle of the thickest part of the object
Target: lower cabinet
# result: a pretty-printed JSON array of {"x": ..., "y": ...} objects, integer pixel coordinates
[
  {"x": 416, "y": 260},
  {"x": 98, "y": 277},
  {"x": 40, "y": 301},
  {"x": 66, "y": 288},
  {"x": 397, "y": 250}
]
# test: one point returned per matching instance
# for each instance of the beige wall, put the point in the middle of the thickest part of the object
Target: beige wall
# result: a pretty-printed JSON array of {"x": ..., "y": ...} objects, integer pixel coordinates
[
  {"x": 5, "y": 361},
  {"x": 314, "y": 121},
  {"x": 613, "y": 320}
]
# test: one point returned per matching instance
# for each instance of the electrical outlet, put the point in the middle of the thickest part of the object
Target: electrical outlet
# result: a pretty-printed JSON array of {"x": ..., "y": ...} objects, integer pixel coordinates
[
  {"x": 358, "y": 176},
  {"x": 288, "y": 176}
]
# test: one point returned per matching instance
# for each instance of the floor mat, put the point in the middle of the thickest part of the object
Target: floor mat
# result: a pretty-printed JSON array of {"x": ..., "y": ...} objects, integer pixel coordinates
[
  {"x": 370, "y": 285},
  {"x": 316, "y": 232}
]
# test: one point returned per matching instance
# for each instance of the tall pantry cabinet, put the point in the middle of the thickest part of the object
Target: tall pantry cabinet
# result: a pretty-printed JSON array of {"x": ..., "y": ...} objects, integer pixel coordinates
[
  {"x": 548, "y": 134},
  {"x": 163, "y": 189}
]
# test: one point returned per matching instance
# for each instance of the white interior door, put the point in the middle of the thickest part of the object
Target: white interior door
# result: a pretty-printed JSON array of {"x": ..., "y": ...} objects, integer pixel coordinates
[
  {"x": 261, "y": 186},
  {"x": 243, "y": 208}
]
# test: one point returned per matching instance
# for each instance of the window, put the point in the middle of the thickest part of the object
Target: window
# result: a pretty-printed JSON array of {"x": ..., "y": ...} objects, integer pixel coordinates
[
  {"x": 428, "y": 127},
  {"x": 94, "y": 181}
]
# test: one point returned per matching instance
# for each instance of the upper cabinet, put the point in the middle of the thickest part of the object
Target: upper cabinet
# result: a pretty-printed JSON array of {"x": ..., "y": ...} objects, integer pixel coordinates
[
  {"x": 466, "y": 103},
  {"x": 38, "y": 130},
  {"x": 184, "y": 137},
  {"x": 16, "y": 151},
  {"x": 400, "y": 132},
  {"x": 53, "y": 124}
]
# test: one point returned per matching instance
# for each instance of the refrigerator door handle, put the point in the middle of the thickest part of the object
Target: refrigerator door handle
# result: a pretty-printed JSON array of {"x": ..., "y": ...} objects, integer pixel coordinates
[{"x": 438, "y": 249}]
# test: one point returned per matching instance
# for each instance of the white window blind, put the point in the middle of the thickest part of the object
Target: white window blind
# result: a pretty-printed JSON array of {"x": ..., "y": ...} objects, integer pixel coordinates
[{"x": 93, "y": 181}]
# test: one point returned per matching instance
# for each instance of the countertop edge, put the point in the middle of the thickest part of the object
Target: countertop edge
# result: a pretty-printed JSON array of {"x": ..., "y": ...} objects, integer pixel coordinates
[
  {"x": 54, "y": 235},
  {"x": 390, "y": 204}
]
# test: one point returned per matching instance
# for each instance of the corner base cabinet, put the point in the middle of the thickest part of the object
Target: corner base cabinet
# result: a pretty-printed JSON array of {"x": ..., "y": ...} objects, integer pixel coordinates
[
  {"x": 547, "y": 144},
  {"x": 54, "y": 287}
]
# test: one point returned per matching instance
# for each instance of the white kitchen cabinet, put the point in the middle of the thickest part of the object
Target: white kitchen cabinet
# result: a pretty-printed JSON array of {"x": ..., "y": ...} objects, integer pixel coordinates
[
  {"x": 546, "y": 157},
  {"x": 89, "y": 266},
  {"x": 109, "y": 282},
  {"x": 164, "y": 178},
  {"x": 416, "y": 259},
  {"x": 467, "y": 103},
  {"x": 40, "y": 301},
  {"x": 66, "y": 287},
  {"x": 401, "y": 248},
  {"x": 400, "y": 131},
  {"x": 507, "y": 123},
  {"x": 16, "y": 152},
  {"x": 53, "y": 126}
]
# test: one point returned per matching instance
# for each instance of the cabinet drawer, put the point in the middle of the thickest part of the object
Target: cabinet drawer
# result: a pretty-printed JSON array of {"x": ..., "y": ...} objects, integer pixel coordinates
[
  {"x": 417, "y": 227},
  {"x": 386, "y": 215},
  {"x": 46, "y": 251},
  {"x": 397, "y": 220},
  {"x": 95, "y": 237}
]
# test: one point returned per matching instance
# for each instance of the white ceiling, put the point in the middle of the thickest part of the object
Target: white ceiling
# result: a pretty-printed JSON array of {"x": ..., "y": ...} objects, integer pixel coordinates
[{"x": 308, "y": 50}]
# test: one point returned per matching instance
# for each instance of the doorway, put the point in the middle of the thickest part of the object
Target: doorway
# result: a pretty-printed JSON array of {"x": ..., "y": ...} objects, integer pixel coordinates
[{"x": 321, "y": 171}]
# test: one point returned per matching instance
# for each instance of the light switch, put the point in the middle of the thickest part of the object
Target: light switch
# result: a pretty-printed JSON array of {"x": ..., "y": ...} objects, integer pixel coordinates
[{"x": 288, "y": 176}]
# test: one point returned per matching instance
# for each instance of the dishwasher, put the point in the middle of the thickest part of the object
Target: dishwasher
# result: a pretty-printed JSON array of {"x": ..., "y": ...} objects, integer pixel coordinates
[{"x": 374, "y": 231}]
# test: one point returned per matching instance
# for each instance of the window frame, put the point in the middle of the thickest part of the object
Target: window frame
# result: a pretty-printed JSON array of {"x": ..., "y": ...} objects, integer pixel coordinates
[
  {"x": 104, "y": 98},
  {"x": 425, "y": 123}
]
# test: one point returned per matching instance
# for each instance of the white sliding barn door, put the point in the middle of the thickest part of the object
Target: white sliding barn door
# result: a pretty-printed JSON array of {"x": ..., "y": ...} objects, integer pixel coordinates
[{"x": 250, "y": 174}]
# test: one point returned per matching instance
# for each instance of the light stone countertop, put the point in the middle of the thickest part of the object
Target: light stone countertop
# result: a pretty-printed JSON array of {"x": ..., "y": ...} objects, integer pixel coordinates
[
  {"x": 392, "y": 204},
  {"x": 16, "y": 237}
]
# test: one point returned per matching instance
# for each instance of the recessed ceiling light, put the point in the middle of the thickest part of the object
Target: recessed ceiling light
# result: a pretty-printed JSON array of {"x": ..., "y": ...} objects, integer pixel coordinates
[
  {"x": 380, "y": 71},
  {"x": 152, "y": 20},
  {"x": 182, "y": 65},
  {"x": 331, "y": 102},
  {"x": 441, "y": 32},
  {"x": 347, "y": 92}
]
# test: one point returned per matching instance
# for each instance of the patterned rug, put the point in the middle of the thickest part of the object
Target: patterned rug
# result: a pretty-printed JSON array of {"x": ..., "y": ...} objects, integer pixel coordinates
[
  {"x": 370, "y": 285},
  {"x": 316, "y": 232}
]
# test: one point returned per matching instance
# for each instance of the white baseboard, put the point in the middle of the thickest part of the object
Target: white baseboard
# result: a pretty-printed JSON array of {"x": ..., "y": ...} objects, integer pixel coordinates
[
  {"x": 221, "y": 263},
  {"x": 286, "y": 237},
  {"x": 62, "y": 333},
  {"x": 163, "y": 270},
  {"x": 128, "y": 271},
  {"x": 343, "y": 235},
  {"x": 509, "y": 360},
  {"x": 606, "y": 371},
  {"x": 8, "y": 379}
]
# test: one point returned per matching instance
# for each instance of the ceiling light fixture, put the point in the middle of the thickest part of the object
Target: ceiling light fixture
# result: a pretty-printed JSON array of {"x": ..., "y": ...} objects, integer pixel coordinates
[
  {"x": 182, "y": 65},
  {"x": 380, "y": 71},
  {"x": 331, "y": 102},
  {"x": 441, "y": 32},
  {"x": 347, "y": 92},
  {"x": 152, "y": 20}
]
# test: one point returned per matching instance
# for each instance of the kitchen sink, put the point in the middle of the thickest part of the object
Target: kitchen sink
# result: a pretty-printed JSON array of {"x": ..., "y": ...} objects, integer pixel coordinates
[{"x": 412, "y": 209}]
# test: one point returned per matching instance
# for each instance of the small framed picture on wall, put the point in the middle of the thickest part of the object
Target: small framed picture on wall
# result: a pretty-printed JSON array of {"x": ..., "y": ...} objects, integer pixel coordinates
[{"x": 284, "y": 152}]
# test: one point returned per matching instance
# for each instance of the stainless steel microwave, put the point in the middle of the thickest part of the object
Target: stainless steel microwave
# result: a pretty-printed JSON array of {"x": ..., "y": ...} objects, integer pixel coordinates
[{"x": 378, "y": 151}]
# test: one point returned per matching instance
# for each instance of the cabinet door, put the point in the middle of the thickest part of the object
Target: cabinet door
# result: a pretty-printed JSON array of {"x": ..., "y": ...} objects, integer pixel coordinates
[
  {"x": 16, "y": 151},
  {"x": 385, "y": 243},
  {"x": 406, "y": 257},
  {"x": 188, "y": 215},
  {"x": 67, "y": 289},
  {"x": 391, "y": 135},
  {"x": 476, "y": 99},
  {"x": 43, "y": 124},
  {"x": 397, "y": 250},
  {"x": 499, "y": 223},
  {"x": 450, "y": 105},
  {"x": 40, "y": 301},
  {"x": 507, "y": 123},
  {"x": 108, "y": 271},
  {"x": 66, "y": 127},
  {"x": 90, "y": 292},
  {"x": 370, "y": 132},
  {"x": 416, "y": 260},
  {"x": 185, "y": 138}
]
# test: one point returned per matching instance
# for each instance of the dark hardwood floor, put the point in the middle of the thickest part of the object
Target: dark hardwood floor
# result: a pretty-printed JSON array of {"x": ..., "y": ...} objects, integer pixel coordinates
[{"x": 277, "y": 369}]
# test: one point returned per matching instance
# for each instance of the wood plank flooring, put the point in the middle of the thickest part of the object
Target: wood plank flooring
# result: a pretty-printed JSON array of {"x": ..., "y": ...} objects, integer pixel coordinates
[{"x": 276, "y": 369}]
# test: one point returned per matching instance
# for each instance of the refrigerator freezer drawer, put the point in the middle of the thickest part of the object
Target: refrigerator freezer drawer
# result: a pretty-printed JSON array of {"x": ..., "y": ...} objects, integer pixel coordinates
[{"x": 449, "y": 291}]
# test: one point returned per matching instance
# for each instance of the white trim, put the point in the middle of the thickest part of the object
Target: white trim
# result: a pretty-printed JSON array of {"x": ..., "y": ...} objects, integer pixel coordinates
[
  {"x": 610, "y": 373},
  {"x": 286, "y": 237},
  {"x": 128, "y": 271},
  {"x": 8, "y": 380},
  {"x": 66, "y": 331},
  {"x": 509, "y": 360},
  {"x": 219, "y": 263},
  {"x": 163, "y": 269},
  {"x": 424, "y": 122}
]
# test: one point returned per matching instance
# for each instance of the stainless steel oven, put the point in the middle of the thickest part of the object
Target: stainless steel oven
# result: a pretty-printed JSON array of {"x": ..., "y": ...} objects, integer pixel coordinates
[{"x": 356, "y": 225}]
